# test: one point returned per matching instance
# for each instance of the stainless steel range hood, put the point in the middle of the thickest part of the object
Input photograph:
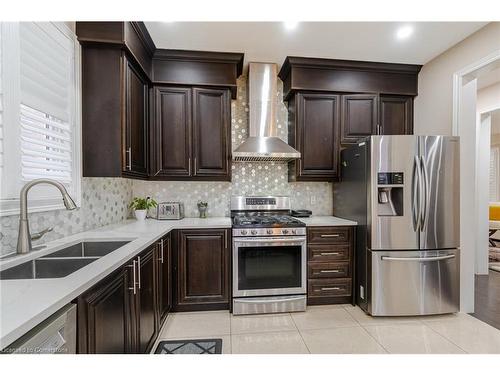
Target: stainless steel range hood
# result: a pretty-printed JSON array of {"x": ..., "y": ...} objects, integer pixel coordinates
[{"x": 263, "y": 143}]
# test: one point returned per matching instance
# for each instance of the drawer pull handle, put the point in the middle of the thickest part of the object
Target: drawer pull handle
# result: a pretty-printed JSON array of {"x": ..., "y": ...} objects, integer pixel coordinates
[
  {"x": 329, "y": 235},
  {"x": 326, "y": 254},
  {"x": 331, "y": 288},
  {"x": 329, "y": 271}
]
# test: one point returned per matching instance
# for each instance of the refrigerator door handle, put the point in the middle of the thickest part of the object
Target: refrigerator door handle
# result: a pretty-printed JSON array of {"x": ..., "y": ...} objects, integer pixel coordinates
[
  {"x": 426, "y": 194},
  {"x": 416, "y": 259},
  {"x": 415, "y": 187}
]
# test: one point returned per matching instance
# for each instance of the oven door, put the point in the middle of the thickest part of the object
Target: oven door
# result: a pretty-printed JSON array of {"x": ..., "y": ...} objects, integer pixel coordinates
[{"x": 269, "y": 266}]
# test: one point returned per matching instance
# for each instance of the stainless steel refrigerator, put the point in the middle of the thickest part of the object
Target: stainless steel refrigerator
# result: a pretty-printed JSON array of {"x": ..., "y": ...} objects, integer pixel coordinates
[{"x": 404, "y": 192}]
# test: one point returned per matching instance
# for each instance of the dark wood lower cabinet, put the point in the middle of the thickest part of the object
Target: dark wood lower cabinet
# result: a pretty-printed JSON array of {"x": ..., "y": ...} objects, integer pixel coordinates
[
  {"x": 124, "y": 312},
  {"x": 116, "y": 316},
  {"x": 329, "y": 265},
  {"x": 164, "y": 258},
  {"x": 147, "y": 323},
  {"x": 104, "y": 316},
  {"x": 190, "y": 270},
  {"x": 202, "y": 270}
]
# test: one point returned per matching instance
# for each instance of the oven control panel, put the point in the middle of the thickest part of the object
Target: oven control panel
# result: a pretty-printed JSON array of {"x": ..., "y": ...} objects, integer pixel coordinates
[
  {"x": 260, "y": 201},
  {"x": 267, "y": 232}
]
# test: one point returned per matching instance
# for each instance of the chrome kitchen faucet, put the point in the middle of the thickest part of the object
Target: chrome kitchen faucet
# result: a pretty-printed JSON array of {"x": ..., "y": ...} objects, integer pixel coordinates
[{"x": 24, "y": 237}]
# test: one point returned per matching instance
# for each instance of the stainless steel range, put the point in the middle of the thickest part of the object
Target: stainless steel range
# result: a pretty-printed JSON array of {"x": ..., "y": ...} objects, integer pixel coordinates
[{"x": 269, "y": 256}]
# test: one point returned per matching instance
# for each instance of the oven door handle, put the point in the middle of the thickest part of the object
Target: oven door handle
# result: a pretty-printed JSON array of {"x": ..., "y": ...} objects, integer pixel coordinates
[{"x": 268, "y": 239}]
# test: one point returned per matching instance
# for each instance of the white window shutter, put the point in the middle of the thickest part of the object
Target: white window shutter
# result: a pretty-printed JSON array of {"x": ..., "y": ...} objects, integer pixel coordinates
[
  {"x": 46, "y": 65},
  {"x": 39, "y": 113},
  {"x": 46, "y": 84}
]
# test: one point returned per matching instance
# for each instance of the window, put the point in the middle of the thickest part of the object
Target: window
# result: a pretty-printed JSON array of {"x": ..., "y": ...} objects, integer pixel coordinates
[
  {"x": 494, "y": 174},
  {"x": 39, "y": 113}
]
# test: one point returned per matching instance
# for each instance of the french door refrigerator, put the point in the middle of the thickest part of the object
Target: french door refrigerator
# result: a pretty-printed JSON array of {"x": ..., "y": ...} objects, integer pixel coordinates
[{"x": 403, "y": 190}]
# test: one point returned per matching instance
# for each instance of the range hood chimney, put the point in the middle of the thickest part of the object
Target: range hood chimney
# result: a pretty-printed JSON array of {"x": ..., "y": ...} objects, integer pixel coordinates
[{"x": 263, "y": 143}]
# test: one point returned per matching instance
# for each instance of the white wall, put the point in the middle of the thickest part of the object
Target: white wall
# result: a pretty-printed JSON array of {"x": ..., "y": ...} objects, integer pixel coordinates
[
  {"x": 434, "y": 104},
  {"x": 488, "y": 98}
]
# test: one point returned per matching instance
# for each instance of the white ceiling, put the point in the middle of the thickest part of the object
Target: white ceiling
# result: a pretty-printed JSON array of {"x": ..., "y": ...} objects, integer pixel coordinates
[{"x": 271, "y": 42}]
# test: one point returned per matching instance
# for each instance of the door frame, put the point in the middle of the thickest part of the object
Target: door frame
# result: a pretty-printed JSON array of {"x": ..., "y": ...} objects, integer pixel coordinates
[{"x": 471, "y": 237}]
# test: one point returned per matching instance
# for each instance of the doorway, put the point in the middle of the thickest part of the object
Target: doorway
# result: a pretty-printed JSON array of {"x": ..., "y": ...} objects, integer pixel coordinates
[
  {"x": 477, "y": 121},
  {"x": 474, "y": 197}
]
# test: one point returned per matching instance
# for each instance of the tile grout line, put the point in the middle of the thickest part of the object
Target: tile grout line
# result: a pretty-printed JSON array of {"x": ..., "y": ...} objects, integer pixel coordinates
[
  {"x": 300, "y": 333},
  {"x": 369, "y": 334},
  {"x": 444, "y": 337}
]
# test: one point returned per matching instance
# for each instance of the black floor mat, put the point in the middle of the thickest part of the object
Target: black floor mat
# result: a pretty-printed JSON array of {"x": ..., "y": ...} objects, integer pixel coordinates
[{"x": 200, "y": 346}]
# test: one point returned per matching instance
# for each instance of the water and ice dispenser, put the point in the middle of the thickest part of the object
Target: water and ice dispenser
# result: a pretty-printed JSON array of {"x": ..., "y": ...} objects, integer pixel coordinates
[{"x": 390, "y": 193}]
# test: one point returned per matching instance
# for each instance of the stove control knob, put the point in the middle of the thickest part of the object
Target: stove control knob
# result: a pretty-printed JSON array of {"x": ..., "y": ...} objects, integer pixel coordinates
[
  {"x": 244, "y": 232},
  {"x": 254, "y": 232},
  {"x": 294, "y": 231},
  {"x": 269, "y": 231},
  {"x": 284, "y": 231}
]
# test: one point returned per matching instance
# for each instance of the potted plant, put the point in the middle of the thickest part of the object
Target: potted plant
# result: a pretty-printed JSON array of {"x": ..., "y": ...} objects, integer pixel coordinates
[
  {"x": 202, "y": 208},
  {"x": 141, "y": 206}
]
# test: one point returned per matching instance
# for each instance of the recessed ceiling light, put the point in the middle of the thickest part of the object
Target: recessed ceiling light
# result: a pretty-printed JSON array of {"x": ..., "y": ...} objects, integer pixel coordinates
[
  {"x": 290, "y": 25},
  {"x": 404, "y": 32}
]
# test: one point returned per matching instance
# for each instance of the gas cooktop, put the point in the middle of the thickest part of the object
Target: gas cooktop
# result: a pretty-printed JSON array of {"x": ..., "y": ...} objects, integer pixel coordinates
[{"x": 265, "y": 220}]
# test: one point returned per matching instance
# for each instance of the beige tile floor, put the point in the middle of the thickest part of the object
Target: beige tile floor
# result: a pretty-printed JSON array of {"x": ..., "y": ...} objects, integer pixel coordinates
[{"x": 338, "y": 329}]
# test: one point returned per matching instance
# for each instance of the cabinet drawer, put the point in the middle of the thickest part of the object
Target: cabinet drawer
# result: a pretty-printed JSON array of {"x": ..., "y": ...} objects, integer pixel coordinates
[
  {"x": 329, "y": 235},
  {"x": 328, "y": 287},
  {"x": 328, "y": 270},
  {"x": 328, "y": 253}
]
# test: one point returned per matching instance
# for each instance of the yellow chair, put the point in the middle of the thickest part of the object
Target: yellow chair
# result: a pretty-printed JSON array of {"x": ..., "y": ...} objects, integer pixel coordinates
[{"x": 494, "y": 221}]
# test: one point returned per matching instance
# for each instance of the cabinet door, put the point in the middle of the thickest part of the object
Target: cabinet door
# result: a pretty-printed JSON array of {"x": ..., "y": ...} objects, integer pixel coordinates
[
  {"x": 136, "y": 122},
  {"x": 172, "y": 132},
  {"x": 104, "y": 316},
  {"x": 317, "y": 132},
  {"x": 146, "y": 299},
  {"x": 164, "y": 278},
  {"x": 211, "y": 133},
  {"x": 202, "y": 270},
  {"x": 396, "y": 115},
  {"x": 359, "y": 117}
]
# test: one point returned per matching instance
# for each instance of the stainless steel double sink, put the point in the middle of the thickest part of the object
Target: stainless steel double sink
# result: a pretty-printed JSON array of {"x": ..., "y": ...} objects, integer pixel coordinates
[{"x": 63, "y": 262}]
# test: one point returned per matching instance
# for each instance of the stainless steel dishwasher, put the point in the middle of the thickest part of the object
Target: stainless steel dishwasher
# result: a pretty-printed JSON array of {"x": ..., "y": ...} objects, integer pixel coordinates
[{"x": 55, "y": 335}]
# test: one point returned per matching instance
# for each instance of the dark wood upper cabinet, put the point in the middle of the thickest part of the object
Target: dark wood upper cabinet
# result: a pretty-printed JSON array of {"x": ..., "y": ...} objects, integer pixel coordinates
[
  {"x": 136, "y": 122},
  {"x": 197, "y": 68},
  {"x": 104, "y": 316},
  {"x": 359, "y": 117},
  {"x": 332, "y": 103},
  {"x": 181, "y": 133},
  {"x": 172, "y": 132},
  {"x": 202, "y": 270},
  {"x": 131, "y": 36},
  {"x": 347, "y": 76},
  {"x": 192, "y": 134},
  {"x": 211, "y": 132},
  {"x": 396, "y": 115},
  {"x": 115, "y": 112},
  {"x": 314, "y": 121}
]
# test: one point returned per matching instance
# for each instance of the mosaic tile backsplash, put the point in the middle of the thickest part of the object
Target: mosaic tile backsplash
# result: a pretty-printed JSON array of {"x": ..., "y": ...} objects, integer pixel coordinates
[
  {"x": 262, "y": 178},
  {"x": 104, "y": 201}
]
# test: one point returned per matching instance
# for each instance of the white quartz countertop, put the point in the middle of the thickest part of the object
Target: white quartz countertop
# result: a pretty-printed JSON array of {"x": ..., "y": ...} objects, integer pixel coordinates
[
  {"x": 326, "y": 221},
  {"x": 26, "y": 303}
]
